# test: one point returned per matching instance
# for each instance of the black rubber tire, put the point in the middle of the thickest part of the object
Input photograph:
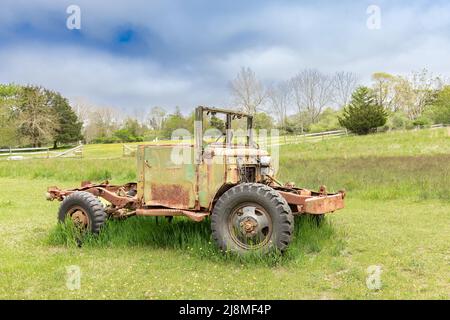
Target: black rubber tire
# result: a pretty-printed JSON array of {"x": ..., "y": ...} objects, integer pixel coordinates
[
  {"x": 90, "y": 205},
  {"x": 275, "y": 205}
]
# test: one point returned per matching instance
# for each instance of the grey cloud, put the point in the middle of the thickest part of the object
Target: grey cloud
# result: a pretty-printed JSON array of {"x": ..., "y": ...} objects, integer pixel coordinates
[{"x": 203, "y": 48}]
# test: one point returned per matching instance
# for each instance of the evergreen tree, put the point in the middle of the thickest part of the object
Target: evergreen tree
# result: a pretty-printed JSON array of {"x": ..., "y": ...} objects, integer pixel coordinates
[
  {"x": 69, "y": 126},
  {"x": 364, "y": 114}
]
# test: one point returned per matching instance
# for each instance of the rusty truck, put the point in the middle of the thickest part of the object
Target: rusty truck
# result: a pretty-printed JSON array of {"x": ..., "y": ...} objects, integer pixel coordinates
[{"x": 231, "y": 185}]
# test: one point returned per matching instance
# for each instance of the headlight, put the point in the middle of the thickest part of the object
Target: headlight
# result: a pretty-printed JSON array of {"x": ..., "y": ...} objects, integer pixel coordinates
[{"x": 265, "y": 161}]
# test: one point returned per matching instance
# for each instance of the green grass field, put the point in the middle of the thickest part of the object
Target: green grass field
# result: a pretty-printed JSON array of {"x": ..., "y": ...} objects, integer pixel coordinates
[{"x": 397, "y": 217}]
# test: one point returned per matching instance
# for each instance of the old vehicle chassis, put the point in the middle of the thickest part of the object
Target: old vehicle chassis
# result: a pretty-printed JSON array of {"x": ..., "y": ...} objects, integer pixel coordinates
[{"x": 203, "y": 180}]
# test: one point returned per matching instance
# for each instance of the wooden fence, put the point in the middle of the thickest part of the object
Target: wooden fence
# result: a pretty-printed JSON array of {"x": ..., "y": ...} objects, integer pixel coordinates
[{"x": 36, "y": 153}]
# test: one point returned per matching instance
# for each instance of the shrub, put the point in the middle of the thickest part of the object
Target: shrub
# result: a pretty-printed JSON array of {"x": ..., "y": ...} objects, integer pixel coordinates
[
  {"x": 422, "y": 121},
  {"x": 328, "y": 121},
  {"x": 106, "y": 140},
  {"x": 398, "y": 120}
]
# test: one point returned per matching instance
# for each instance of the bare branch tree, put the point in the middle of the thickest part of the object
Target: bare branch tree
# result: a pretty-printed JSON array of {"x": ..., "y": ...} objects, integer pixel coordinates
[
  {"x": 312, "y": 91},
  {"x": 344, "y": 83},
  {"x": 248, "y": 92},
  {"x": 100, "y": 122},
  {"x": 155, "y": 118},
  {"x": 279, "y": 100},
  {"x": 81, "y": 107},
  {"x": 384, "y": 85},
  {"x": 413, "y": 93}
]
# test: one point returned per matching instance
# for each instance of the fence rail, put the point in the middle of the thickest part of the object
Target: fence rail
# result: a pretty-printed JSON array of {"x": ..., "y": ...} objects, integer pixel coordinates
[
  {"x": 129, "y": 150},
  {"x": 26, "y": 153},
  {"x": 22, "y": 149},
  {"x": 312, "y": 136}
]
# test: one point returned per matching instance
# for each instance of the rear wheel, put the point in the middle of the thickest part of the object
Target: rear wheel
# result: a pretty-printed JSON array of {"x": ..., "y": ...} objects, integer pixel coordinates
[
  {"x": 85, "y": 211},
  {"x": 252, "y": 217}
]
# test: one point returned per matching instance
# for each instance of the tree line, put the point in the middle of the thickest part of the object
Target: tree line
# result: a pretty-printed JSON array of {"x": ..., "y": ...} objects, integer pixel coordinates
[
  {"x": 316, "y": 101},
  {"x": 311, "y": 101}
]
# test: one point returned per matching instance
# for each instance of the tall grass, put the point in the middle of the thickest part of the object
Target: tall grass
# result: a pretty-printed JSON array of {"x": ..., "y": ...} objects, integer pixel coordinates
[
  {"x": 337, "y": 164},
  {"x": 195, "y": 238},
  {"x": 388, "y": 144},
  {"x": 375, "y": 178},
  {"x": 120, "y": 170}
]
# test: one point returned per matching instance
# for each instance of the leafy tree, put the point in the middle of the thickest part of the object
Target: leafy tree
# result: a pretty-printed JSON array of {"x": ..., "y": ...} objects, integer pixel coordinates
[
  {"x": 384, "y": 85},
  {"x": 173, "y": 122},
  {"x": 364, "y": 113},
  {"x": 36, "y": 120},
  {"x": 414, "y": 93},
  {"x": 68, "y": 125},
  {"x": 9, "y": 95},
  {"x": 131, "y": 131},
  {"x": 440, "y": 109},
  {"x": 133, "y": 127},
  {"x": 262, "y": 120}
]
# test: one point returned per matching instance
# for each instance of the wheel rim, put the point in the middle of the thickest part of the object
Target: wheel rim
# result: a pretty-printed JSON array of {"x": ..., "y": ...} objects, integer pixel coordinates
[
  {"x": 79, "y": 217},
  {"x": 250, "y": 226}
]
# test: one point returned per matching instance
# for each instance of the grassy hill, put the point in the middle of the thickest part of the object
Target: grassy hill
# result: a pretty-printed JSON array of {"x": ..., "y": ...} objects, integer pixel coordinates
[{"x": 397, "y": 217}]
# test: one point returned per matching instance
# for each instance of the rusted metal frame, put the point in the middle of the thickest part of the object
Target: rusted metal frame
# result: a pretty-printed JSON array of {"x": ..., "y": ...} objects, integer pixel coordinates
[
  {"x": 324, "y": 204},
  {"x": 223, "y": 111},
  {"x": 249, "y": 130},
  {"x": 314, "y": 204},
  {"x": 228, "y": 132},
  {"x": 293, "y": 198},
  {"x": 229, "y": 114},
  {"x": 198, "y": 151},
  {"x": 116, "y": 200},
  {"x": 198, "y": 134},
  {"x": 163, "y": 212},
  {"x": 106, "y": 192}
]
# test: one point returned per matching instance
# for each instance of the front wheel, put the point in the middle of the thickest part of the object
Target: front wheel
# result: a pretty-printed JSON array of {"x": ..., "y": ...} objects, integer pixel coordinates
[{"x": 252, "y": 217}]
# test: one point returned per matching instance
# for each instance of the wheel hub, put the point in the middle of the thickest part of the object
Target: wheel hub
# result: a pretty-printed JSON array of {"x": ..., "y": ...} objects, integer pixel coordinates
[
  {"x": 79, "y": 218},
  {"x": 249, "y": 227}
]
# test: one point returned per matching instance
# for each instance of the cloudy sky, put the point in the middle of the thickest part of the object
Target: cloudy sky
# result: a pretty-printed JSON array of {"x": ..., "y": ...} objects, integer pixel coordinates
[{"x": 136, "y": 54}]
